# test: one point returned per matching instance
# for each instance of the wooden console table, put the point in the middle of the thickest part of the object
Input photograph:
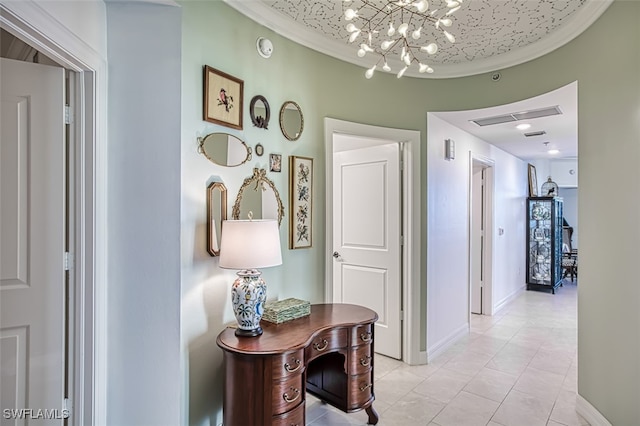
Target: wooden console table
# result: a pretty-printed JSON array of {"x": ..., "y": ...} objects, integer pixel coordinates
[{"x": 330, "y": 351}]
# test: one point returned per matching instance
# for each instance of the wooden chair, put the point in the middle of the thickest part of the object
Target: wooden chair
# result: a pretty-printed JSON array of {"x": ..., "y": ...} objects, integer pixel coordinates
[{"x": 569, "y": 254}]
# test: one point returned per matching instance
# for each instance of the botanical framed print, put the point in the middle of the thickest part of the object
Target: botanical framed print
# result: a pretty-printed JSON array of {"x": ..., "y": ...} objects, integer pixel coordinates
[
  {"x": 275, "y": 162},
  {"x": 533, "y": 181},
  {"x": 222, "y": 98},
  {"x": 300, "y": 202}
]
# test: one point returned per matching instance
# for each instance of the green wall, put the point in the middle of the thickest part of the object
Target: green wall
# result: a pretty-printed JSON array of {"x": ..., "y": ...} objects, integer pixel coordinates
[{"x": 604, "y": 60}]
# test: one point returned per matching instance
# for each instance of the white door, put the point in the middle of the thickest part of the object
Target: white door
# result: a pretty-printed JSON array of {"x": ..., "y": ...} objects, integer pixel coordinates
[
  {"x": 477, "y": 212},
  {"x": 366, "y": 237},
  {"x": 32, "y": 209}
]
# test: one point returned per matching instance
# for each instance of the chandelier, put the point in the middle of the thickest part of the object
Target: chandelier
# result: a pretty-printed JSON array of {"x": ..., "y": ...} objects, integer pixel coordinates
[{"x": 403, "y": 26}]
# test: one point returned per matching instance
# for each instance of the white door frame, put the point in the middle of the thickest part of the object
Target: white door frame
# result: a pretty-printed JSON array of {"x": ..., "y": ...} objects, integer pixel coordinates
[
  {"x": 488, "y": 243},
  {"x": 31, "y": 23},
  {"x": 414, "y": 332}
]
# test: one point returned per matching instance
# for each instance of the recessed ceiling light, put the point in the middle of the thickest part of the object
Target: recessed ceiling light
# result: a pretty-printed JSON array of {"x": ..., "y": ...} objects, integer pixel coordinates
[
  {"x": 554, "y": 151},
  {"x": 523, "y": 126}
]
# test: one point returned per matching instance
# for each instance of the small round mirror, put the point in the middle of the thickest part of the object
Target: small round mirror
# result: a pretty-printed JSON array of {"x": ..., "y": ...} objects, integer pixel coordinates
[
  {"x": 224, "y": 149},
  {"x": 291, "y": 120},
  {"x": 259, "y": 112}
]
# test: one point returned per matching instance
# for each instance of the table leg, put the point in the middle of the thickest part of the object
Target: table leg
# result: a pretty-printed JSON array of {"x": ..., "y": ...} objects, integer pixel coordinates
[{"x": 373, "y": 415}]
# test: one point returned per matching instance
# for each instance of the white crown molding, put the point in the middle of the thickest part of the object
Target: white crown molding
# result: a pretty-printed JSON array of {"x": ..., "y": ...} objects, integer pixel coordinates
[
  {"x": 589, "y": 412},
  {"x": 261, "y": 13}
]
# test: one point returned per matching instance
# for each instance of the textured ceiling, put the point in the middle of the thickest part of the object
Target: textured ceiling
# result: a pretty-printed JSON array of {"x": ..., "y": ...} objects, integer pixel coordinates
[{"x": 490, "y": 34}]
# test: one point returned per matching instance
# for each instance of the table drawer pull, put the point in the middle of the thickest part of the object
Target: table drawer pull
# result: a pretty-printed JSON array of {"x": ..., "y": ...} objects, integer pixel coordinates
[
  {"x": 365, "y": 361},
  {"x": 318, "y": 347},
  {"x": 289, "y": 398},
  {"x": 290, "y": 369},
  {"x": 365, "y": 337},
  {"x": 365, "y": 386}
]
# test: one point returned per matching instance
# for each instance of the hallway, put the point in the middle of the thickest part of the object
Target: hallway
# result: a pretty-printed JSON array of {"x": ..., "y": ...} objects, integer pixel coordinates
[{"x": 517, "y": 368}]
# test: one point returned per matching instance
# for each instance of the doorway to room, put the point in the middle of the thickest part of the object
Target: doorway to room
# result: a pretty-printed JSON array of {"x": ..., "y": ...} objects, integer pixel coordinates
[
  {"x": 481, "y": 228},
  {"x": 407, "y": 307},
  {"x": 58, "y": 188}
]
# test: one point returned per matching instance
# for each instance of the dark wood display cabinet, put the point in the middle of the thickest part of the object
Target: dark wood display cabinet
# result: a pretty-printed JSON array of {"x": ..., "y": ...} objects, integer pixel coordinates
[
  {"x": 544, "y": 243},
  {"x": 328, "y": 353}
]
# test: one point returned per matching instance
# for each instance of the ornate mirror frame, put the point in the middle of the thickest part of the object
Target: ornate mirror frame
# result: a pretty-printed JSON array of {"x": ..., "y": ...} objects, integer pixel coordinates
[
  {"x": 282, "y": 127},
  {"x": 259, "y": 121},
  {"x": 214, "y": 219},
  {"x": 259, "y": 178},
  {"x": 201, "y": 150}
]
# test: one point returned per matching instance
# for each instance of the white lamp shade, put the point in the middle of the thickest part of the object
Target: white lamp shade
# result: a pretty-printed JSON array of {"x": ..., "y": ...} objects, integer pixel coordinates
[{"x": 250, "y": 244}]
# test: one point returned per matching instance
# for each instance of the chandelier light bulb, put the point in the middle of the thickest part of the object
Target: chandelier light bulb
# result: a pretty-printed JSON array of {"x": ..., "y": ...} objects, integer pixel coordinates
[
  {"x": 402, "y": 71},
  {"x": 354, "y": 35},
  {"x": 407, "y": 59},
  {"x": 349, "y": 14},
  {"x": 361, "y": 53},
  {"x": 416, "y": 34},
  {"x": 452, "y": 3},
  {"x": 386, "y": 44},
  {"x": 449, "y": 37},
  {"x": 402, "y": 29},
  {"x": 429, "y": 70},
  {"x": 391, "y": 30},
  {"x": 422, "y": 68},
  {"x": 421, "y": 5},
  {"x": 446, "y": 22},
  {"x": 430, "y": 48},
  {"x": 386, "y": 67},
  {"x": 402, "y": 53},
  {"x": 351, "y": 27},
  {"x": 366, "y": 47},
  {"x": 370, "y": 71}
]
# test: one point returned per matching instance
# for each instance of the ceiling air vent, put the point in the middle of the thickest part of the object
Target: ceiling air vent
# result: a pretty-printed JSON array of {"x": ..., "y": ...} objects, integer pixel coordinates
[
  {"x": 540, "y": 133},
  {"x": 498, "y": 119},
  {"x": 517, "y": 116}
]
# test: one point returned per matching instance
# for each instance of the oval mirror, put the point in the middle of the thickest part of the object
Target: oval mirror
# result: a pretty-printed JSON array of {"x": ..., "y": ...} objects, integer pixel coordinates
[
  {"x": 224, "y": 149},
  {"x": 258, "y": 195},
  {"x": 216, "y": 213},
  {"x": 291, "y": 120},
  {"x": 259, "y": 112}
]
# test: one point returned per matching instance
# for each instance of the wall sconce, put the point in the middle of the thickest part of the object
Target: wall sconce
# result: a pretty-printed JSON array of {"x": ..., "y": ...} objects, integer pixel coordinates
[{"x": 449, "y": 149}]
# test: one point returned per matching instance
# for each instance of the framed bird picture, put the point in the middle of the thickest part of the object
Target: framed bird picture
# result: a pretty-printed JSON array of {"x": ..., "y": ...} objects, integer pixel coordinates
[{"x": 223, "y": 95}]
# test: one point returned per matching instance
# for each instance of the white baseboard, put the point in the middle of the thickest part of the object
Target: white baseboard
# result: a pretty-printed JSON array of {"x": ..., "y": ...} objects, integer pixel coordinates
[
  {"x": 589, "y": 412},
  {"x": 447, "y": 342},
  {"x": 504, "y": 302}
]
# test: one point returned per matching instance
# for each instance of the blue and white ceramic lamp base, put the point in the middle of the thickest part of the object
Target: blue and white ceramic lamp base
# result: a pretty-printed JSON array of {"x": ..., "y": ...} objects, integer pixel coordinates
[{"x": 248, "y": 295}]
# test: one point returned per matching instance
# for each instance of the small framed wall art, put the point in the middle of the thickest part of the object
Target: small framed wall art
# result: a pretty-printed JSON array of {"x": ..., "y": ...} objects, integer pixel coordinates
[
  {"x": 275, "y": 162},
  {"x": 222, "y": 98},
  {"x": 533, "y": 181},
  {"x": 300, "y": 202}
]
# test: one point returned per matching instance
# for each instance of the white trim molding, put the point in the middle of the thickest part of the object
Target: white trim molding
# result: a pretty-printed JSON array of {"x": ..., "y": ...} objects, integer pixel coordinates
[
  {"x": 589, "y": 412},
  {"x": 34, "y": 23},
  {"x": 504, "y": 302},
  {"x": 411, "y": 351},
  {"x": 440, "y": 347}
]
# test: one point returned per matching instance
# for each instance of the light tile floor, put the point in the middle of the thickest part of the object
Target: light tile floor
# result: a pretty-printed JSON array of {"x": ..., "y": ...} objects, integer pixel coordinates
[{"x": 518, "y": 368}]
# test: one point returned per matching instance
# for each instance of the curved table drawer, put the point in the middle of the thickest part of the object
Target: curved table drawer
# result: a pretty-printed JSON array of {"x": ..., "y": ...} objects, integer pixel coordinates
[
  {"x": 326, "y": 342},
  {"x": 288, "y": 364},
  {"x": 287, "y": 394}
]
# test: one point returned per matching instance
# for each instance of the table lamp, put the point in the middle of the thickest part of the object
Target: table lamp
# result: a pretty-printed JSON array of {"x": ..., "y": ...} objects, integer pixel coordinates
[{"x": 248, "y": 245}]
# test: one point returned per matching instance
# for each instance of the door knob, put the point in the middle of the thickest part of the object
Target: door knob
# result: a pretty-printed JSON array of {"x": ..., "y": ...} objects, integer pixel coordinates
[{"x": 336, "y": 254}]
